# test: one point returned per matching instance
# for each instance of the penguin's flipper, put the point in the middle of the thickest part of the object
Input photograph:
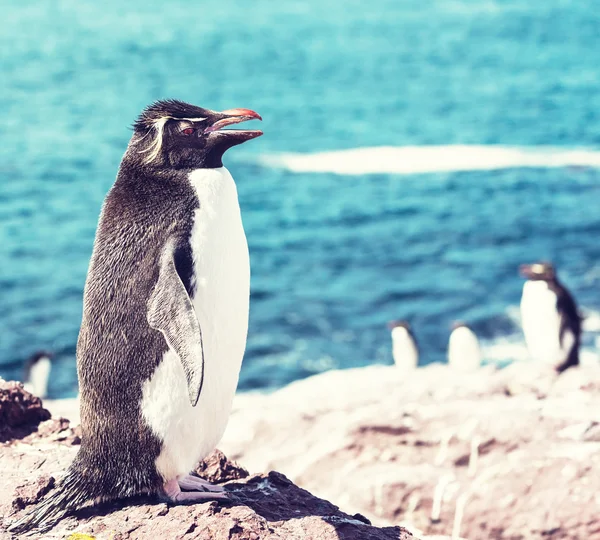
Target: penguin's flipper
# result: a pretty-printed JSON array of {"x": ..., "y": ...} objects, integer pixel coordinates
[{"x": 170, "y": 311}]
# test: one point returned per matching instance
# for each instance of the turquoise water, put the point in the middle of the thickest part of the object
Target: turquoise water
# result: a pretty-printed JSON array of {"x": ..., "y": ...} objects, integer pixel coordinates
[{"x": 334, "y": 255}]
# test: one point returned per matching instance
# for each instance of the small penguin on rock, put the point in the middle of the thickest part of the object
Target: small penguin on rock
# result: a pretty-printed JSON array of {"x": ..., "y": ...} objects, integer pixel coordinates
[
  {"x": 405, "y": 350},
  {"x": 165, "y": 315},
  {"x": 549, "y": 316},
  {"x": 37, "y": 373},
  {"x": 464, "y": 352}
]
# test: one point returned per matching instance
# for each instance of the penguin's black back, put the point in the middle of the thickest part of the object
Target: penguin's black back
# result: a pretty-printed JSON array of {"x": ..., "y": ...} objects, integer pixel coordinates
[
  {"x": 117, "y": 351},
  {"x": 570, "y": 320}
]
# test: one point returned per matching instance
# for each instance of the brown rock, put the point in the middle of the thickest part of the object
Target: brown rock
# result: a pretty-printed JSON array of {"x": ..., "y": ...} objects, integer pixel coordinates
[
  {"x": 20, "y": 411},
  {"x": 434, "y": 448},
  {"x": 32, "y": 492},
  {"x": 513, "y": 453},
  {"x": 262, "y": 507},
  {"x": 217, "y": 469},
  {"x": 56, "y": 429}
]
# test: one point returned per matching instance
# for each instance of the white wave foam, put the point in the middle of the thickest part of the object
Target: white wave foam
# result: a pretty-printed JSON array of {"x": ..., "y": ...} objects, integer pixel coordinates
[
  {"x": 432, "y": 159},
  {"x": 512, "y": 347},
  {"x": 504, "y": 349},
  {"x": 591, "y": 321},
  {"x": 507, "y": 350}
]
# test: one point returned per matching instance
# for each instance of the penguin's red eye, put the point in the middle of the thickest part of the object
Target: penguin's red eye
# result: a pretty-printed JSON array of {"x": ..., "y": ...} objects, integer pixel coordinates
[{"x": 188, "y": 131}]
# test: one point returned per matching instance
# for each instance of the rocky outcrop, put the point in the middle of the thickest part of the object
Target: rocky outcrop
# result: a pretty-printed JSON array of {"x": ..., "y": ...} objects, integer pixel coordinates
[
  {"x": 490, "y": 455},
  {"x": 509, "y": 454},
  {"x": 262, "y": 506},
  {"x": 20, "y": 411}
]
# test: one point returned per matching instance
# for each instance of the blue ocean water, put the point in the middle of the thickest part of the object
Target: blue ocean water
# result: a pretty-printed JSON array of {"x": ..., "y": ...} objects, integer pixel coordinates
[{"x": 334, "y": 255}]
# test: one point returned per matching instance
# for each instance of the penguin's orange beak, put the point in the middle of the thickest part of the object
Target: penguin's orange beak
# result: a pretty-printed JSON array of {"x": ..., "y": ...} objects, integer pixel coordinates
[
  {"x": 525, "y": 270},
  {"x": 533, "y": 270},
  {"x": 247, "y": 113},
  {"x": 235, "y": 116}
]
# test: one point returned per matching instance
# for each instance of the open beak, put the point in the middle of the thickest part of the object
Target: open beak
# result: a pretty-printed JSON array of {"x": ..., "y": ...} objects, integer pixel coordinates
[{"x": 235, "y": 116}]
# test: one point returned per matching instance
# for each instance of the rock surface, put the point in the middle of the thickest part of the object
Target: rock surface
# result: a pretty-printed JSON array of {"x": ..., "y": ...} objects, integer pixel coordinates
[
  {"x": 262, "y": 506},
  {"x": 20, "y": 411},
  {"x": 509, "y": 454},
  {"x": 494, "y": 455}
]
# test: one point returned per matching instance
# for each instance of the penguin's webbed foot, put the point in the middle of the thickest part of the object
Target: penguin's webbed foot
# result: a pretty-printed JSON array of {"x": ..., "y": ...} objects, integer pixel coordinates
[
  {"x": 195, "y": 483},
  {"x": 173, "y": 492}
]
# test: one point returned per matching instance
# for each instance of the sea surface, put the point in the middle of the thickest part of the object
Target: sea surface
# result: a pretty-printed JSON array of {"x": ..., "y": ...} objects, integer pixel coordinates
[{"x": 415, "y": 153}]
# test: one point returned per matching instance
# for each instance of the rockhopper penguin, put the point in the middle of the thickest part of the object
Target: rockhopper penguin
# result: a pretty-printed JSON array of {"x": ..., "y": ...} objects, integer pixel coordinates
[
  {"x": 165, "y": 315},
  {"x": 549, "y": 316},
  {"x": 405, "y": 350},
  {"x": 37, "y": 373},
  {"x": 464, "y": 352}
]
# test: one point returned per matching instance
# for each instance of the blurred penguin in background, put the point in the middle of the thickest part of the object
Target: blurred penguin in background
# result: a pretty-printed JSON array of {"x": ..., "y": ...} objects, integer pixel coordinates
[
  {"x": 404, "y": 345},
  {"x": 549, "y": 316},
  {"x": 464, "y": 352},
  {"x": 37, "y": 373}
]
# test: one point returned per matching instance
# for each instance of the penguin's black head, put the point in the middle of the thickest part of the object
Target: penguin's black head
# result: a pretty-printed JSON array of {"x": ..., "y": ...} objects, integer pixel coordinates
[
  {"x": 401, "y": 327},
  {"x": 37, "y": 356},
  {"x": 542, "y": 271},
  {"x": 34, "y": 359},
  {"x": 458, "y": 324},
  {"x": 174, "y": 134},
  {"x": 399, "y": 324}
]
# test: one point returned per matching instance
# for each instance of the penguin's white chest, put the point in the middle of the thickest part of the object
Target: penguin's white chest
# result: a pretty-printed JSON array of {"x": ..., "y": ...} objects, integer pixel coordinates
[
  {"x": 404, "y": 349},
  {"x": 464, "y": 352},
  {"x": 37, "y": 382},
  {"x": 541, "y": 321},
  {"x": 221, "y": 301}
]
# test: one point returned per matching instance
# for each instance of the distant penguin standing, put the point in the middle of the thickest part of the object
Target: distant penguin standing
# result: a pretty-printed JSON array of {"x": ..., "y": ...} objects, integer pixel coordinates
[
  {"x": 37, "y": 373},
  {"x": 549, "y": 316},
  {"x": 165, "y": 315},
  {"x": 405, "y": 350},
  {"x": 464, "y": 352}
]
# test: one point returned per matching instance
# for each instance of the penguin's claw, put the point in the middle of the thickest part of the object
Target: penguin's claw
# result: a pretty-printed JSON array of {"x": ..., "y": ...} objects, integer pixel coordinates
[
  {"x": 199, "y": 496},
  {"x": 195, "y": 483},
  {"x": 174, "y": 494}
]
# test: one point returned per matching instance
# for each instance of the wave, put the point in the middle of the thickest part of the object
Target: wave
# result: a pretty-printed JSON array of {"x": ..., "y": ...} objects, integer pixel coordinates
[
  {"x": 505, "y": 350},
  {"x": 432, "y": 159},
  {"x": 591, "y": 320}
]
